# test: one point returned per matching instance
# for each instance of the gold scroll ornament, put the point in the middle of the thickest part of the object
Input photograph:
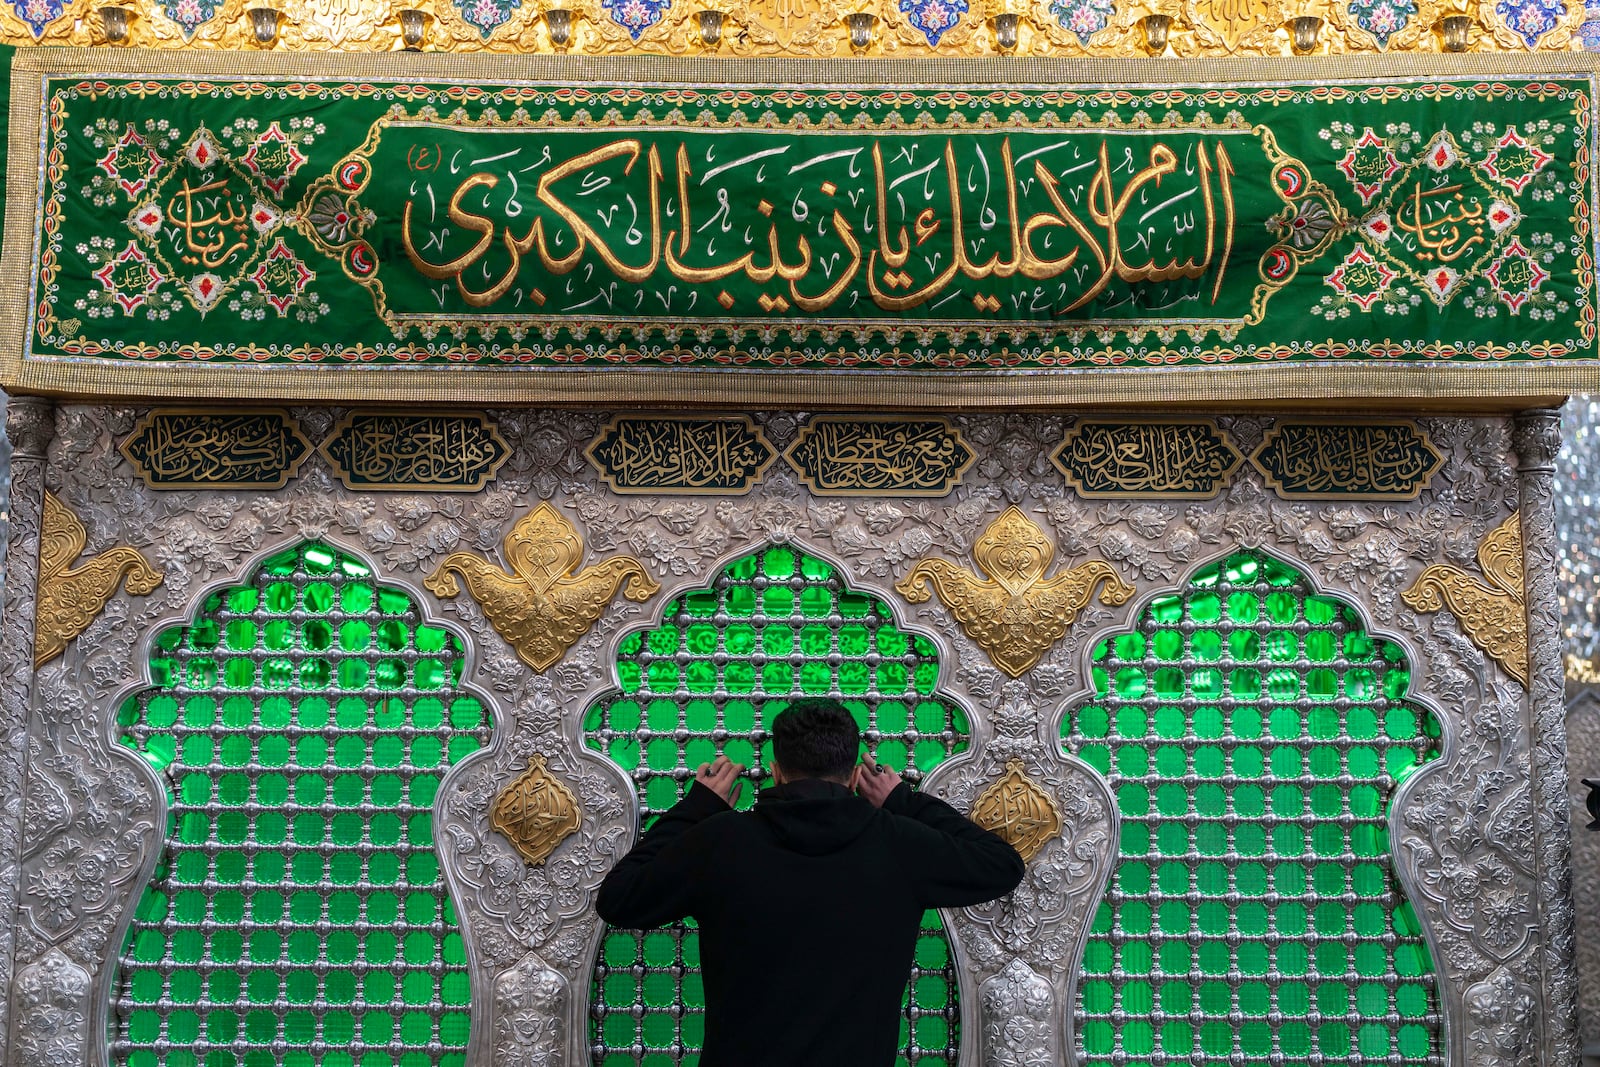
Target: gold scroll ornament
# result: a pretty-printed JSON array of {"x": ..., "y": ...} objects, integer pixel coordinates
[
  {"x": 546, "y": 603},
  {"x": 1492, "y": 614},
  {"x": 1017, "y": 809},
  {"x": 69, "y": 600},
  {"x": 1015, "y": 614},
  {"x": 536, "y": 812}
]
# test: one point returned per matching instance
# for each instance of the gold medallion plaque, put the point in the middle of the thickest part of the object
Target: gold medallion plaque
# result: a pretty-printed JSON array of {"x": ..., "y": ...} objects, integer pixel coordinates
[
  {"x": 536, "y": 812},
  {"x": 1016, "y": 808}
]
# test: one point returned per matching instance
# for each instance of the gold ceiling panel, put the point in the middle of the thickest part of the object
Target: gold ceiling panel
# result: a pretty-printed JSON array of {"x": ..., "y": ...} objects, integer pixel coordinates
[{"x": 809, "y": 28}]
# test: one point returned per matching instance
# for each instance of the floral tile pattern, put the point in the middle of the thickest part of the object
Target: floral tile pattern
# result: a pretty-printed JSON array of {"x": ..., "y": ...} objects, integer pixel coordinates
[
  {"x": 486, "y": 15},
  {"x": 1531, "y": 19},
  {"x": 1382, "y": 18},
  {"x": 1085, "y": 18},
  {"x": 190, "y": 13},
  {"x": 934, "y": 17},
  {"x": 636, "y": 16},
  {"x": 38, "y": 13}
]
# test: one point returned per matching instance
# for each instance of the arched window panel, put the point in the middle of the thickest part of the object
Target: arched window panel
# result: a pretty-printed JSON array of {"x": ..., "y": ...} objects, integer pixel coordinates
[
  {"x": 772, "y": 626},
  {"x": 1253, "y": 733},
  {"x": 297, "y": 915}
]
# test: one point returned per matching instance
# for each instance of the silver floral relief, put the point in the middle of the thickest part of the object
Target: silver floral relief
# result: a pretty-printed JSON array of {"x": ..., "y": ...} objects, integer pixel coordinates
[
  {"x": 1538, "y": 443},
  {"x": 1027, "y": 944},
  {"x": 1463, "y": 836},
  {"x": 1020, "y": 1019},
  {"x": 52, "y": 1006},
  {"x": 30, "y": 424},
  {"x": 531, "y": 1003},
  {"x": 87, "y": 818},
  {"x": 1463, "y": 829},
  {"x": 1583, "y": 761}
]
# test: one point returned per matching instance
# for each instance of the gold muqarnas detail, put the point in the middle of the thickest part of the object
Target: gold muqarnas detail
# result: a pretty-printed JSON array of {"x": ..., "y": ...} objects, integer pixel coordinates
[
  {"x": 1015, "y": 614},
  {"x": 546, "y": 603},
  {"x": 1016, "y": 808},
  {"x": 69, "y": 600},
  {"x": 1492, "y": 614},
  {"x": 536, "y": 812}
]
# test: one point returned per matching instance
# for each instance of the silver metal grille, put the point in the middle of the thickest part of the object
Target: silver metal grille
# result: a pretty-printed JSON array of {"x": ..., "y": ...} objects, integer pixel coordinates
[
  {"x": 1253, "y": 733},
  {"x": 297, "y": 916},
  {"x": 773, "y": 626}
]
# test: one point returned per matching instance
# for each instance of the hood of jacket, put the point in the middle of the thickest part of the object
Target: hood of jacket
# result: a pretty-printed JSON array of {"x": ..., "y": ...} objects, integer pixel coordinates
[{"x": 814, "y": 817}]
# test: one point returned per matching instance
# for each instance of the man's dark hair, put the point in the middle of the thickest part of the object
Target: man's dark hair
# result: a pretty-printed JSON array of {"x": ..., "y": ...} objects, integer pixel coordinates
[{"x": 816, "y": 738}]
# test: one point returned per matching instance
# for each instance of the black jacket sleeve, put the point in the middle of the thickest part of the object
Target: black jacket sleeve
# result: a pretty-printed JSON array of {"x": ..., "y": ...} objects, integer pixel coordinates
[
  {"x": 952, "y": 860},
  {"x": 654, "y": 884}
]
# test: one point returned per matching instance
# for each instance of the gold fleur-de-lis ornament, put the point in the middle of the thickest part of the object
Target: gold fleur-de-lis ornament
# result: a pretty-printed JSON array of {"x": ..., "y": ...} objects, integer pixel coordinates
[
  {"x": 69, "y": 600},
  {"x": 1492, "y": 612},
  {"x": 1016, "y": 613},
  {"x": 545, "y": 603}
]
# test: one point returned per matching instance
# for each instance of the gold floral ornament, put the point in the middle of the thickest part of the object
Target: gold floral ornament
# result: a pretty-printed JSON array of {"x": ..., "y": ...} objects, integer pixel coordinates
[
  {"x": 545, "y": 604},
  {"x": 536, "y": 812},
  {"x": 1492, "y": 614},
  {"x": 1017, "y": 809},
  {"x": 1015, "y": 614},
  {"x": 69, "y": 600}
]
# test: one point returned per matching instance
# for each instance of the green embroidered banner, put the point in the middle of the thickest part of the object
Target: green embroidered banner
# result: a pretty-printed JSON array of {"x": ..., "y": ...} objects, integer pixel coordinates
[{"x": 420, "y": 221}]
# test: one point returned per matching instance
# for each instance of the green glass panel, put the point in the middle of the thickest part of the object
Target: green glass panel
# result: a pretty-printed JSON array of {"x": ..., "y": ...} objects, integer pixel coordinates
[
  {"x": 1252, "y": 734},
  {"x": 234, "y": 855},
  {"x": 787, "y": 627}
]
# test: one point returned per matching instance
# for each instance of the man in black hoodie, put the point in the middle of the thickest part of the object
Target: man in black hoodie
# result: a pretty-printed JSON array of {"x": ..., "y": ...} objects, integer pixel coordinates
[{"x": 809, "y": 905}]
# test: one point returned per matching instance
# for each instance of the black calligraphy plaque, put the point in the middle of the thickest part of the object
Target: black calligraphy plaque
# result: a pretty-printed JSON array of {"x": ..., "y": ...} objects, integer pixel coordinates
[
  {"x": 1137, "y": 458},
  {"x": 209, "y": 449},
  {"x": 1347, "y": 460},
  {"x": 657, "y": 454},
  {"x": 411, "y": 451},
  {"x": 847, "y": 456}
]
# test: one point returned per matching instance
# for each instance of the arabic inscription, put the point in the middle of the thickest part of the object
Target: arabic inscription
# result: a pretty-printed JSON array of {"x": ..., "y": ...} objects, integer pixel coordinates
[
  {"x": 205, "y": 449},
  {"x": 1132, "y": 459},
  {"x": 1083, "y": 224},
  {"x": 442, "y": 453},
  {"x": 640, "y": 454},
  {"x": 844, "y": 456},
  {"x": 1019, "y": 810},
  {"x": 1347, "y": 460}
]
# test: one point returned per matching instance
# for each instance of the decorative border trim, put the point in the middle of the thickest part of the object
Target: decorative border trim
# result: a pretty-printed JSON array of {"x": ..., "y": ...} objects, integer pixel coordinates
[{"x": 1510, "y": 385}]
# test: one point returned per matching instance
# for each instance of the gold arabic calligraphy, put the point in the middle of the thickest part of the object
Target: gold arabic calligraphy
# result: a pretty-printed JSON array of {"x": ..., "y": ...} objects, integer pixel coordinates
[
  {"x": 1104, "y": 459},
  {"x": 1443, "y": 232},
  {"x": 1095, "y": 231},
  {"x": 449, "y": 452},
  {"x": 188, "y": 450},
  {"x": 850, "y": 456},
  {"x": 214, "y": 228},
  {"x": 1347, "y": 460},
  {"x": 646, "y": 455}
]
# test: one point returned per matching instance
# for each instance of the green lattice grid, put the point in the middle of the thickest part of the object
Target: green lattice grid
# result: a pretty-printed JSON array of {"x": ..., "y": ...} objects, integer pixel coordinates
[
  {"x": 1253, "y": 734},
  {"x": 774, "y": 626},
  {"x": 297, "y": 917}
]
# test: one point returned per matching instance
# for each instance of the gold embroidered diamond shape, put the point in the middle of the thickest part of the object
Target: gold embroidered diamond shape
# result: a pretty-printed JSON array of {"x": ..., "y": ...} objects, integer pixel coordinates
[{"x": 205, "y": 221}]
